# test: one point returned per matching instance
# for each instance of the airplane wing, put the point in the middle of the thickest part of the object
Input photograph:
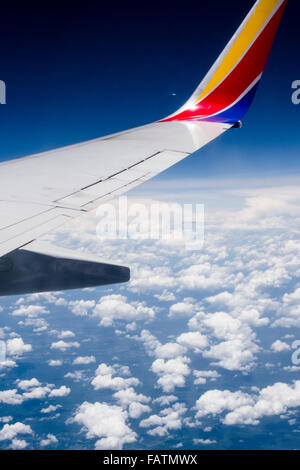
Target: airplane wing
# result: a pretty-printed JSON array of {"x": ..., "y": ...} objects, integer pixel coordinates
[{"x": 41, "y": 192}]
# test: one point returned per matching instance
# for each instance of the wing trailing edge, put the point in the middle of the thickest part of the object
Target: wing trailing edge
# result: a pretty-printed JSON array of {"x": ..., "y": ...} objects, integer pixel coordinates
[{"x": 44, "y": 268}]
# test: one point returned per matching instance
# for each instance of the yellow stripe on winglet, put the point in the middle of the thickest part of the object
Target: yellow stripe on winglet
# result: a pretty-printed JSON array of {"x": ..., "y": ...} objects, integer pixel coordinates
[{"x": 264, "y": 9}]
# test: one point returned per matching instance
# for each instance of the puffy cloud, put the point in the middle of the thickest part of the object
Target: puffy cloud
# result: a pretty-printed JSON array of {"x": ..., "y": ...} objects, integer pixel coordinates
[
  {"x": 11, "y": 397},
  {"x": 106, "y": 422},
  {"x": 168, "y": 419},
  {"x": 37, "y": 393},
  {"x": 133, "y": 401},
  {"x": 171, "y": 372},
  {"x": 48, "y": 297},
  {"x": 62, "y": 391},
  {"x": 238, "y": 350},
  {"x": 81, "y": 307},
  {"x": 104, "y": 379},
  {"x": 272, "y": 400},
  {"x": 55, "y": 363},
  {"x": 84, "y": 360},
  {"x": 50, "y": 440},
  {"x": 205, "y": 276},
  {"x": 7, "y": 364},
  {"x": 166, "y": 296},
  {"x": 38, "y": 324},
  {"x": 66, "y": 334},
  {"x": 30, "y": 311},
  {"x": 249, "y": 409},
  {"x": 184, "y": 308},
  {"x": 193, "y": 340},
  {"x": 289, "y": 313},
  {"x": 111, "y": 308},
  {"x": 171, "y": 366},
  {"x": 279, "y": 346},
  {"x": 10, "y": 431},
  {"x": 18, "y": 444},
  {"x": 169, "y": 350},
  {"x": 26, "y": 384},
  {"x": 151, "y": 343},
  {"x": 152, "y": 279},
  {"x": 17, "y": 347},
  {"x": 215, "y": 402},
  {"x": 63, "y": 345},
  {"x": 203, "y": 375},
  {"x": 78, "y": 375},
  {"x": 234, "y": 354},
  {"x": 6, "y": 419},
  {"x": 204, "y": 442},
  {"x": 165, "y": 400},
  {"x": 136, "y": 409},
  {"x": 50, "y": 409}
]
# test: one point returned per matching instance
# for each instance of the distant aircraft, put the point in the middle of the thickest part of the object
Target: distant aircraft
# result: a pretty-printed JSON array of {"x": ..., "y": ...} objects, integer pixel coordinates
[{"x": 41, "y": 192}]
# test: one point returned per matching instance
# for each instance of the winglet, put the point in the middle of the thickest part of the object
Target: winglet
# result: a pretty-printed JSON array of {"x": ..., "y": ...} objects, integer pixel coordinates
[{"x": 228, "y": 89}]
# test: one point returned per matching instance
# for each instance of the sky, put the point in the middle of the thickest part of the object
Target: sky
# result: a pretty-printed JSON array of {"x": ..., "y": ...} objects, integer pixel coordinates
[{"x": 198, "y": 350}]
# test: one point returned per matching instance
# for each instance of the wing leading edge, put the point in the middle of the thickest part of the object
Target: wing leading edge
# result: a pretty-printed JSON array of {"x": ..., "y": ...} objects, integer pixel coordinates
[{"x": 41, "y": 192}]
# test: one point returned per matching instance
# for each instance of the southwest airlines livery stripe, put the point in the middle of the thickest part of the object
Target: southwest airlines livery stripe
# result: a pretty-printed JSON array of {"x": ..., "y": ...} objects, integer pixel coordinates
[{"x": 231, "y": 89}]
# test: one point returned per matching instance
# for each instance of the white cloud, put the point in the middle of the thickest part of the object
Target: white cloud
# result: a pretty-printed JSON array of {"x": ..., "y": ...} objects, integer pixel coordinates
[
  {"x": 215, "y": 402},
  {"x": 169, "y": 350},
  {"x": 63, "y": 345},
  {"x": 50, "y": 408},
  {"x": 193, "y": 340},
  {"x": 17, "y": 347},
  {"x": 171, "y": 373},
  {"x": 249, "y": 409},
  {"x": 233, "y": 354},
  {"x": 184, "y": 308},
  {"x": 5, "y": 419},
  {"x": 204, "y": 442},
  {"x": 203, "y": 375},
  {"x": 111, "y": 308},
  {"x": 37, "y": 393},
  {"x": 279, "y": 346},
  {"x": 168, "y": 419},
  {"x": 78, "y": 375},
  {"x": 134, "y": 402},
  {"x": 84, "y": 360},
  {"x": 11, "y": 397},
  {"x": 7, "y": 364},
  {"x": 50, "y": 440},
  {"x": 152, "y": 279},
  {"x": 66, "y": 334},
  {"x": 104, "y": 379},
  {"x": 26, "y": 384},
  {"x": 18, "y": 444},
  {"x": 106, "y": 422},
  {"x": 165, "y": 400},
  {"x": 30, "y": 311},
  {"x": 55, "y": 363},
  {"x": 81, "y": 307},
  {"x": 10, "y": 431},
  {"x": 62, "y": 391}
]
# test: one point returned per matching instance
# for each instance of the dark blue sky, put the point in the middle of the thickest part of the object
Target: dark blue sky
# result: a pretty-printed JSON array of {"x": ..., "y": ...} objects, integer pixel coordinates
[{"x": 79, "y": 70}]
